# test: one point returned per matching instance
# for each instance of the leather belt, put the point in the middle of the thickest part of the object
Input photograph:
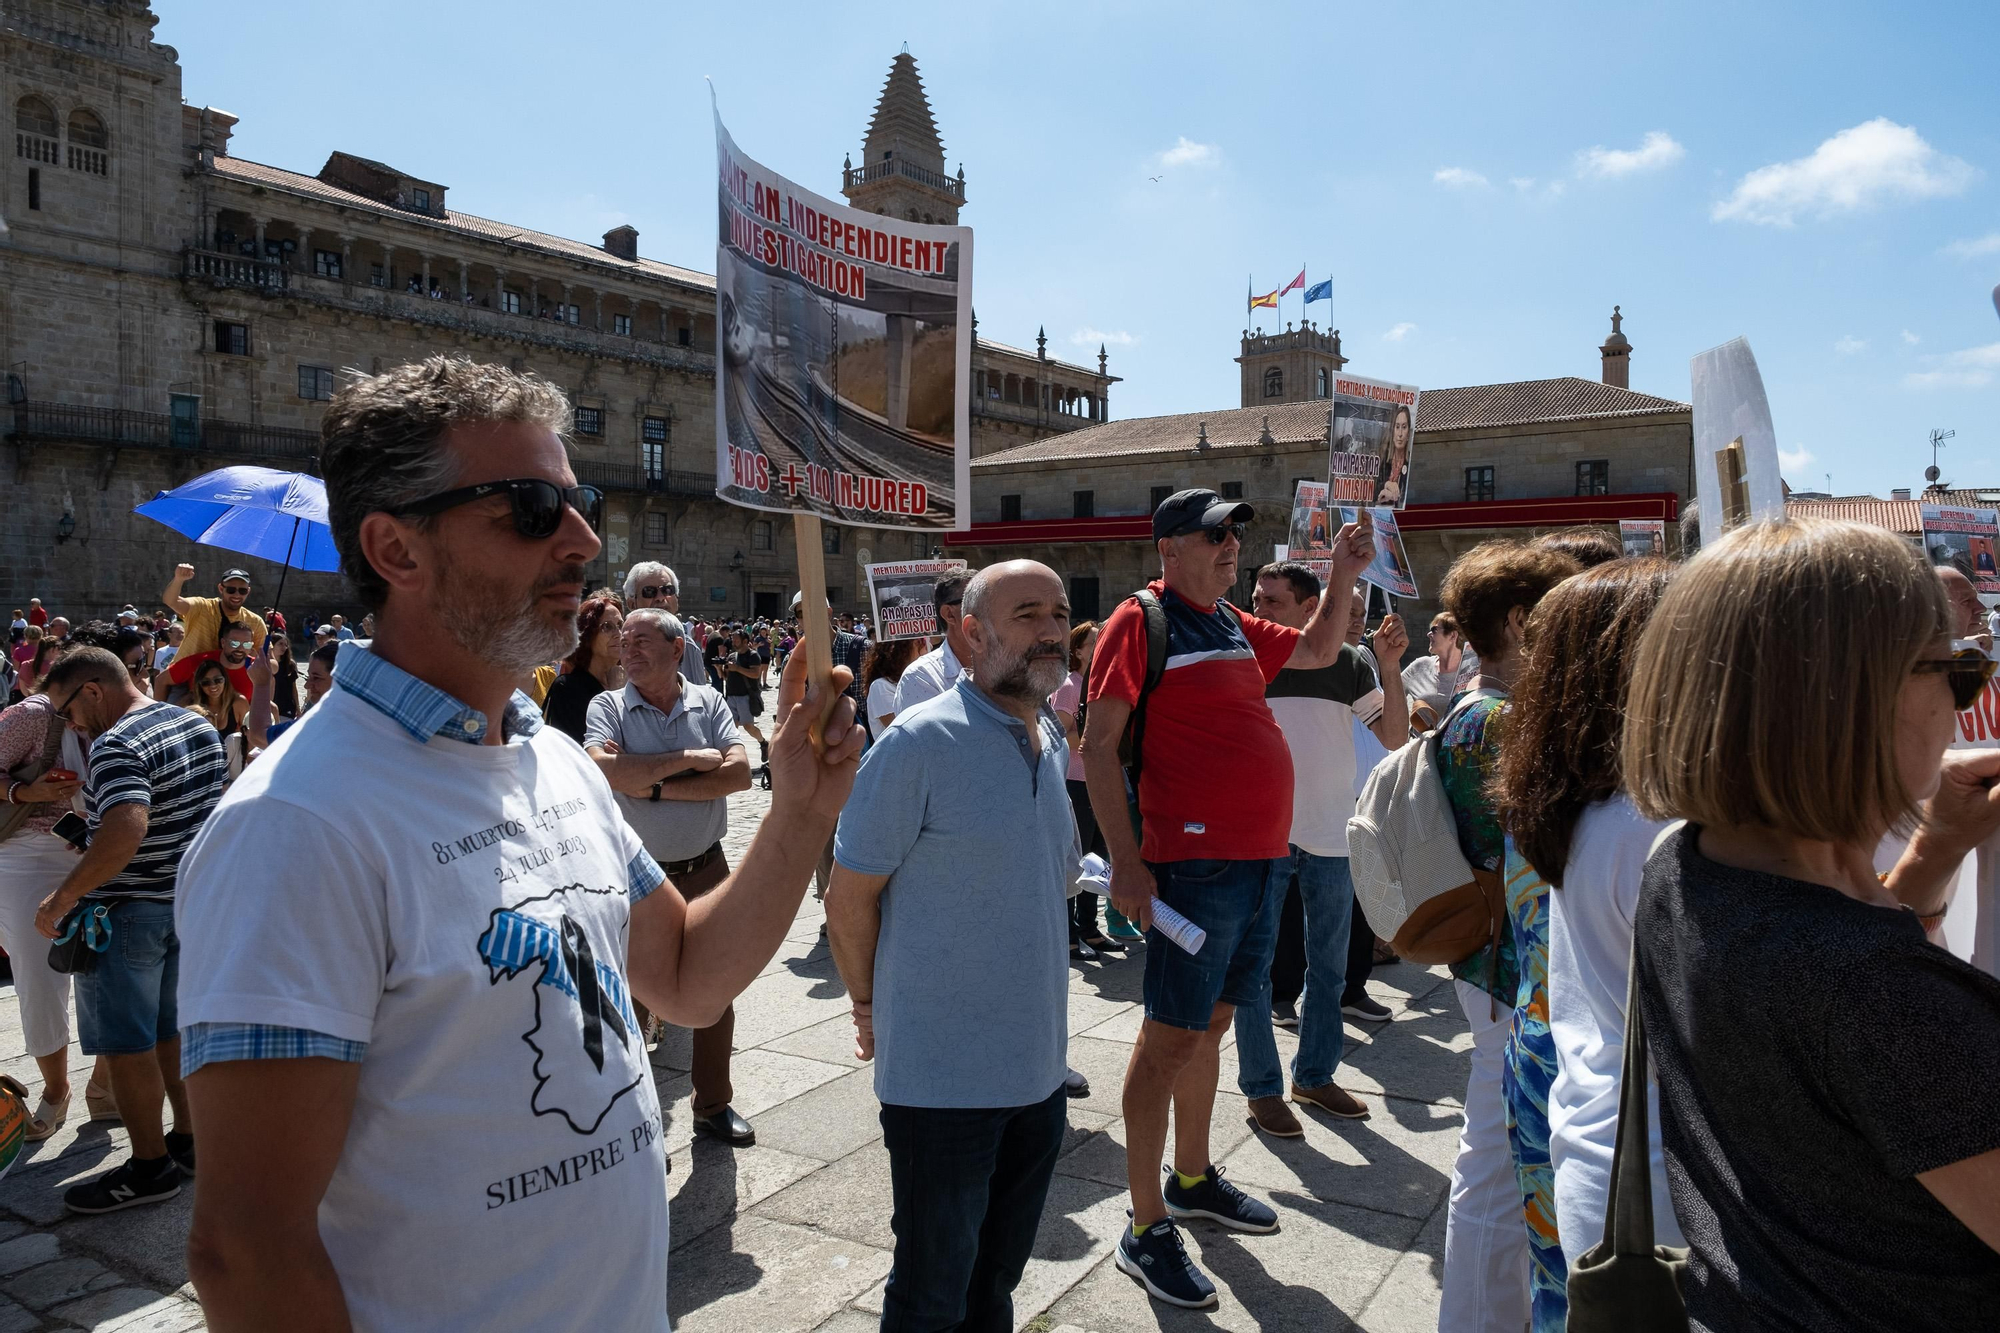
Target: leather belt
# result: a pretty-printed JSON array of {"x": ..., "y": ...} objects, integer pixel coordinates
[{"x": 676, "y": 869}]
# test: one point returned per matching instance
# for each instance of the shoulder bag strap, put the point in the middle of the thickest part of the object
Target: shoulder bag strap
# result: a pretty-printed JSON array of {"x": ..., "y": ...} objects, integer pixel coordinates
[
  {"x": 1628, "y": 1208},
  {"x": 1154, "y": 614}
]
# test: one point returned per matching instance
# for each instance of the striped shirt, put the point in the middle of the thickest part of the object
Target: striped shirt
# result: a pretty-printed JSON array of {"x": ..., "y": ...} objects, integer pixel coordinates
[{"x": 172, "y": 762}]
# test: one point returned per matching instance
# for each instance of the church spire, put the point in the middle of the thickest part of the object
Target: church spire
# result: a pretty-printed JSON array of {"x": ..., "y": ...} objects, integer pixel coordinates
[{"x": 903, "y": 123}]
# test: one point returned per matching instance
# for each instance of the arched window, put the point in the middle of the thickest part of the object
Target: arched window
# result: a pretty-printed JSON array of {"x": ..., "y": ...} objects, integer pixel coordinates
[
  {"x": 1274, "y": 383},
  {"x": 88, "y": 141},
  {"x": 1322, "y": 383},
  {"x": 35, "y": 130}
]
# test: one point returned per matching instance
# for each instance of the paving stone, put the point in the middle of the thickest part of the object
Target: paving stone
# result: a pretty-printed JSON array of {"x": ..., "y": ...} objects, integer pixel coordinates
[
  {"x": 711, "y": 1183},
  {"x": 149, "y": 1243},
  {"x": 786, "y": 1001},
  {"x": 1080, "y": 1224},
  {"x": 827, "y": 1123},
  {"x": 831, "y": 1041},
  {"x": 14, "y": 1319},
  {"x": 852, "y": 1320},
  {"x": 1087, "y": 1010},
  {"x": 851, "y": 1198},
  {"x": 133, "y": 1310},
  {"x": 1102, "y": 1156},
  {"x": 1423, "y": 1055},
  {"x": 9, "y": 1229},
  {"x": 54, "y": 1283},
  {"x": 28, "y": 1251},
  {"x": 1382, "y": 1162},
  {"x": 1407, "y": 1300},
  {"x": 768, "y": 1276}
]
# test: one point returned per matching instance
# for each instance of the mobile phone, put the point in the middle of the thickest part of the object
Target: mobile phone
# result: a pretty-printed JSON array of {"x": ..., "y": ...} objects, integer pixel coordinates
[
  {"x": 72, "y": 829},
  {"x": 60, "y": 775}
]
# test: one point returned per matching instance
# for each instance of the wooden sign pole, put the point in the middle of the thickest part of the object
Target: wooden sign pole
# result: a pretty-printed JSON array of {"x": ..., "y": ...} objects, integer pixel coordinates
[
  {"x": 815, "y": 618},
  {"x": 1729, "y": 465}
]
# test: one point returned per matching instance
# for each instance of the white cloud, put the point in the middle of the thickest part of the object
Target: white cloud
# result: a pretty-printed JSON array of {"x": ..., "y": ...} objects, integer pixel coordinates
[
  {"x": 1857, "y": 168},
  {"x": 1850, "y": 344},
  {"x": 1989, "y": 244},
  {"x": 1399, "y": 332},
  {"x": 1911, "y": 338},
  {"x": 1101, "y": 337},
  {"x": 1522, "y": 183},
  {"x": 1658, "y": 149},
  {"x": 1794, "y": 460},
  {"x": 1967, "y": 368},
  {"x": 1187, "y": 153},
  {"x": 1459, "y": 178}
]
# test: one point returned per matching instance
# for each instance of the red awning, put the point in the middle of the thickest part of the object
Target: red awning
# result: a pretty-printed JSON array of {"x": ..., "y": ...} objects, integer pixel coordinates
[{"x": 1553, "y": 512}]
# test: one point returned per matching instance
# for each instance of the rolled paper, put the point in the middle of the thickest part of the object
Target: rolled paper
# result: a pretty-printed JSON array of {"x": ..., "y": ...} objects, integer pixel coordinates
[{"x": 1178, "y": 928}]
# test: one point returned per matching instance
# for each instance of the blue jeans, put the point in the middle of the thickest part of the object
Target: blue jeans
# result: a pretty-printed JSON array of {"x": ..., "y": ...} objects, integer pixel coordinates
[
  {"x": 1328, "y": 893},
  {"x": 968, "y": 1186},
  {"x": 126, "y": 1005}
]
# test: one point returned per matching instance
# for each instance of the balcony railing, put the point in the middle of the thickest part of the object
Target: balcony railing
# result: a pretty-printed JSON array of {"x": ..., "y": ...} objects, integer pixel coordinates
[
  {"x": 1049, "y": 418},
  {"x": 68, "y": 423},
  {"x": 626, "y": 477},
  {"x": 874, "y": 171},
  {"x": 235, "y": 270}
]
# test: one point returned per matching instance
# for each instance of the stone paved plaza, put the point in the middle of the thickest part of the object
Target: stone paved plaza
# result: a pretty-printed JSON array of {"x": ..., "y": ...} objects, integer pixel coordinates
[{"x": 793, "y": 1234}]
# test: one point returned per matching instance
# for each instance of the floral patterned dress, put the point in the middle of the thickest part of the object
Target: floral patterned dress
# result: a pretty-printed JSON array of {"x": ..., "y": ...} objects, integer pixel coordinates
[{"x": 1527, "y": 1072}]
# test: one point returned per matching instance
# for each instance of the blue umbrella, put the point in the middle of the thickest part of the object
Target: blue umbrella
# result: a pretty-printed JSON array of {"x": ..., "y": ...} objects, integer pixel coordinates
[{"x": 258, "y": 511}]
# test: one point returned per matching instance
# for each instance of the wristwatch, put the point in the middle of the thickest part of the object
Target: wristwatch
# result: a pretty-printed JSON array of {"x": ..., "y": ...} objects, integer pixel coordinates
[{"x": 656, "y": 790}]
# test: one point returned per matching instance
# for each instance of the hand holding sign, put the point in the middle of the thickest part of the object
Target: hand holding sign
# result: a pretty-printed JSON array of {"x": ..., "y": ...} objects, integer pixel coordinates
[{"x": 1353, "y": 549}]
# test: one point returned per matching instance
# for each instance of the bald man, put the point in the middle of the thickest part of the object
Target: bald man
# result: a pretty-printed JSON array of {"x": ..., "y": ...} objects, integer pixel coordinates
[
  {"x": 1968, "y": 613},
  {"x": 958, "y": 844}
]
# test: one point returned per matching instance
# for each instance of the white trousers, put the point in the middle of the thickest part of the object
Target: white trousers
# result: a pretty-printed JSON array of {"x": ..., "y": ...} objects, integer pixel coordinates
[
  {"x": 1486, "y": 1231},
  {"x": 32, "y": 864}
]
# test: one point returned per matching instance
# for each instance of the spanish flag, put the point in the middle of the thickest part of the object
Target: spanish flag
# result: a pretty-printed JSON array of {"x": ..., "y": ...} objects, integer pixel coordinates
[{"x": 1268, "y": 299}]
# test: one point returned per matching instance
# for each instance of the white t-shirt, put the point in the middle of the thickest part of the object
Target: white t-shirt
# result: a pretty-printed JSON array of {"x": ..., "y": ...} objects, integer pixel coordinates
[
  {"x": 881, "y": 703},
  {"x": 1317, "y": 709},
  {"x": 504, "y": 1168},
  {"x": 1590, "y": 952},
  {"x": 928, "y": 677},
  {"x": 163, "y": 656}
]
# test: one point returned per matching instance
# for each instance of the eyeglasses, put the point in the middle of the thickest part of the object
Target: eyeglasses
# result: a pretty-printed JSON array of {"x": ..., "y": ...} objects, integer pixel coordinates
[
  {"x": 63, "y": 712},
  {"x": 656, "y": 589},
  {"x": 538, "y": 505},
  {"x": 1967, "y": 671},
  {"x": 237, "y": 589},
  {"x": 1222, "y": 532}
]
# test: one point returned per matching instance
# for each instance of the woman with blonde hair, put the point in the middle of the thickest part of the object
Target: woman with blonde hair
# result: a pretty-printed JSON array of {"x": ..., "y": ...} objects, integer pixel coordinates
[
  {"x": 1559, "y": 763},
  {"x": 1826, "y": 1074}
]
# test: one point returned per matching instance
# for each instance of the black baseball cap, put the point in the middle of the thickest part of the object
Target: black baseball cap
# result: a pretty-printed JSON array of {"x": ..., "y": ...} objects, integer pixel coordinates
[
  {"x": 1196, "y": 510},
  {"x": 229, "y": 574}
]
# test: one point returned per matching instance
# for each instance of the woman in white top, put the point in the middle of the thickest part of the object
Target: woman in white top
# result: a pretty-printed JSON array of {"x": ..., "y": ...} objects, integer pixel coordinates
[{"x": 880, "y": 673}]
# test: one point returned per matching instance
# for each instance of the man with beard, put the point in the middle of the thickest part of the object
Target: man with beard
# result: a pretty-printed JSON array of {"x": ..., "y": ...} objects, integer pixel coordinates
[
  {"x": 206, "y": 617},
  {"x": 958, "y": 845},
  {"x": 423, "y": 1058}
]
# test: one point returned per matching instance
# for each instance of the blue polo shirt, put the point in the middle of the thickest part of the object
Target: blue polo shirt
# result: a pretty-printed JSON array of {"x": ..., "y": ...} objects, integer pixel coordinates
[{"x": 974, "y": 830}]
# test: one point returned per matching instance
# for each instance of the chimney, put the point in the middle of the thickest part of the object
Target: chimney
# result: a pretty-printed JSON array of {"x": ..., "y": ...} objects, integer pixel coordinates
[
  {"x": 622, "y": 242},
  {"x": 1617, "y": 354},
  {"x": 1900, "y": 493}
]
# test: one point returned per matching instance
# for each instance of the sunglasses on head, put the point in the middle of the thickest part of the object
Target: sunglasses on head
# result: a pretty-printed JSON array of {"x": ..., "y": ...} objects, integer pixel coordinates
[
  {"x": 538, "y": 505},
  {"x": 1967, "y": 671},
  {"x": 657, "y": 589},
  {"x": 1222, "y": 532}
]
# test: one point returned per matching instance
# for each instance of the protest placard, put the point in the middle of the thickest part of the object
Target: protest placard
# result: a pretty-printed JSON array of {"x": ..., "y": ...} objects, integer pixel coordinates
[
  {"x": 1968, "y": 539},
  {"x": 1643, "y": 536},
  {"x": 1390, "y": 570},
  {"x": 1311, "y": 525},
  {"x": 1371, "y": 431},
  {"x": 1735, "y": 446},
  {"x": 900, "y": 592}
]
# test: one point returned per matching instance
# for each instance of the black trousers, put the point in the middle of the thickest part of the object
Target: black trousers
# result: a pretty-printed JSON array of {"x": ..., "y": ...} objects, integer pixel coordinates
[
  {"x": 1083, "y": 907},
  {"x": 1288, "y": 964}
]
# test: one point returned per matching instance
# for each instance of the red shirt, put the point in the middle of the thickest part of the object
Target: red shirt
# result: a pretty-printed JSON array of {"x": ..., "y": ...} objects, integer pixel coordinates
[
  {"x": 1217, "y": 777},
  {"x": 38, "y": 615}
]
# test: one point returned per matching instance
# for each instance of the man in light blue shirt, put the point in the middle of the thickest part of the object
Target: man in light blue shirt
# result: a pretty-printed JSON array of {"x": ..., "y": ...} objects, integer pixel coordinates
[{"x": 948, "y": 920}]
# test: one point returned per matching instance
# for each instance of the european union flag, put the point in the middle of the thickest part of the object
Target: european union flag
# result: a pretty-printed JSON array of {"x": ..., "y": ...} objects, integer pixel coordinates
[{"x": 1320, "y": 291}]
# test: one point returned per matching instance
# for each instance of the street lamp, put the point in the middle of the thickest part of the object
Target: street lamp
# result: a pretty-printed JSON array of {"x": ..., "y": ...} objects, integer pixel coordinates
[{"x": 65, "y": 527}]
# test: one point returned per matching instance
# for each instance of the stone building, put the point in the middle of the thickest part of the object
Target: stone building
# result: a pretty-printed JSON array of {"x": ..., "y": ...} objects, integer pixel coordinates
[
  {"x": 167, "y": 308},
  {"x": 1486, "y": 460}
]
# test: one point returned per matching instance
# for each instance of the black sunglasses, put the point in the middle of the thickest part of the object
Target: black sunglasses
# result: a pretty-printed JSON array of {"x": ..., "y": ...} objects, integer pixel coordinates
[
  {"x": 654, "y": 589},
  {"x": 1967, "y": 671},
  {"x": 1222, "y": 532},
  {"x": 62, "y": 714},
  {"x": 538, "y": 505}
]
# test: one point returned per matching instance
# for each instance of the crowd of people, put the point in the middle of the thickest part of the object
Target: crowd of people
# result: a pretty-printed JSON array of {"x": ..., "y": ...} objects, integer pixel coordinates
[{"x": 1721, "y": 787}]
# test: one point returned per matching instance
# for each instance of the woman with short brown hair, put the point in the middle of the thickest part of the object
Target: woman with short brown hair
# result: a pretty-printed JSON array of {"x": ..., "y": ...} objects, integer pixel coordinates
[{"x": 1826, "y": 1073}]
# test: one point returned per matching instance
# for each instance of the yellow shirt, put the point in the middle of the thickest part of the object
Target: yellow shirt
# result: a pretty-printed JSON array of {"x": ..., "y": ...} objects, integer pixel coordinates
[
  {"x": 203, "y": 625},
  {"x": 545, "y": 677}
]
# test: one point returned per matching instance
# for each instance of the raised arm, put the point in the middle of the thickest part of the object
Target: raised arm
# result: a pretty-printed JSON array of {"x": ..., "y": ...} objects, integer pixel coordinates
[
  {"x": 171, "y": 594},
  {"x": 1393, "y": 727},
  {"x": 271, "y": 1135},
  {"x": 1320, "y": 640}
]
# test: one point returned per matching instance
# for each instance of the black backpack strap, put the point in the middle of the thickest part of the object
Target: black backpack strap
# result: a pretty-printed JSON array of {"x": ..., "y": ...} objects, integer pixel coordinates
[{"x": 1156, "y": 667}]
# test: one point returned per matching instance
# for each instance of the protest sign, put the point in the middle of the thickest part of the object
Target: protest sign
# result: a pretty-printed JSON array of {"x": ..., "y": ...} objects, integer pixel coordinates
[
  {"x": 1966, "y": 538},
  {"x": 900, "y": 592},
  {"x": 1371, "y": 430},
  {"x": 1643, "y": 536},
  {"x": 1735, "y": 447},
  {"x": 843, "y": 384},
  {"x": 1311, "y": 526},
  {"x": 1390, "y": 570}
]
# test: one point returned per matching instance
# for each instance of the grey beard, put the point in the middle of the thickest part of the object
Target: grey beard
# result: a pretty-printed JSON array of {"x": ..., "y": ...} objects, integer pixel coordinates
[
  {"x": 516, "y": 639},
  {"x": 1032, "y": 680}
]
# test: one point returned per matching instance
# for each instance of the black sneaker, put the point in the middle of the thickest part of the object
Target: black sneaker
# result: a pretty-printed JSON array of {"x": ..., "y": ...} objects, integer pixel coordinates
[
  {"x": 1217, "y": 1200},
  {"x": 126, "y": 1186},
  {"x": 180, "y": 1147},
  {"x": 1284, "y": 1013},
  {"x": 1366, "y": 1008},
  {"x": 1159, "y": 1259}
]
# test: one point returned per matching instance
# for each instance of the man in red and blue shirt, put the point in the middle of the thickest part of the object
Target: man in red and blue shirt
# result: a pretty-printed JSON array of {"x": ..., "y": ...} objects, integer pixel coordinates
[{"x": 1215, "y": 799}]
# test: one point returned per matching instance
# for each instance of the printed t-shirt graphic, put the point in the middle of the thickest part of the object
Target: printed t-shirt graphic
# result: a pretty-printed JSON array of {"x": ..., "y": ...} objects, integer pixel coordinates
[{"x": 1217, "y": 777}]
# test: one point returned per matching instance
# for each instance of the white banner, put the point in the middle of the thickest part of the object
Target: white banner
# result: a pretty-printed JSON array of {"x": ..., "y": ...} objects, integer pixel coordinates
[{"x": 900, "y": 592}]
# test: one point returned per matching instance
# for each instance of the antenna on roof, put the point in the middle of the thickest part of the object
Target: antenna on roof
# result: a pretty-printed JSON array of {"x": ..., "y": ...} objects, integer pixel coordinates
[{"x": 1938, "y": 437}]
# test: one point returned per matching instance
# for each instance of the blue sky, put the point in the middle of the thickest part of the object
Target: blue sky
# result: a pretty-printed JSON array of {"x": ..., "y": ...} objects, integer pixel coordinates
[{"x": 1482, "y": 183}]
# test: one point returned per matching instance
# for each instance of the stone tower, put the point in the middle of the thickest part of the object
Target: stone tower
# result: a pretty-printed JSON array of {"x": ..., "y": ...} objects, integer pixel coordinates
[
  {"x": 1295, "y": 366},
  {"x": 1617, "y": 354},
  {"x": 902, "y": 160}
]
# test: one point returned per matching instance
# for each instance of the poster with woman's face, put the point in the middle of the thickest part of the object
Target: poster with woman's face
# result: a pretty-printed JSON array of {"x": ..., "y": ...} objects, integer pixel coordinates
[{"x": 1373, "y": 433}]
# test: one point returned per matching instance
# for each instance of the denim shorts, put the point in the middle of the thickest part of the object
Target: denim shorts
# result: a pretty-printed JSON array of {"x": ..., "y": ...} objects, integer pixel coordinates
[
  {"x": 1237, "y": 903},
  {"x": 126, "y": 1004}
]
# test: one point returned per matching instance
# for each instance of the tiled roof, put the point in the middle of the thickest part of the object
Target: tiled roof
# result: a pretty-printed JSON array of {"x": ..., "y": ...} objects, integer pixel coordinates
[
  {"x": 1896, "y": 515},
  {"x": 1528, "y": 402},
  {"x": 256, "y": 173}
]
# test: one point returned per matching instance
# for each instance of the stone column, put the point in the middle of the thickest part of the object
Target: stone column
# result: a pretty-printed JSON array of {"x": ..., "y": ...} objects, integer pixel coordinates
[
  {"x": 597, "y": 304},
  {"x": 562, "y": 312},
  {"x": 901, "y": 340},
  {"x": 500, "y": 289},
  {"x": 258, "y": 223},
  {"x": 388, "y": 268},
  {"x": 347, "y": 259},
  {"x": 425, "y": 280},
  {"x": 464, "y": 279},
  {"x": 304, "y": 263}
]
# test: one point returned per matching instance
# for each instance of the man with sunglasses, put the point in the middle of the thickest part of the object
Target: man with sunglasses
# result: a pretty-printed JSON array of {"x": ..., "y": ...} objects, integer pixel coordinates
[
  {"x": 939, "y": 669},
  {"x": 652, "y": 584},
  {"x": 1215, "y": 796},
  {"x": 424, "y": 1059},
  {"x": 204, "y": 618}
]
